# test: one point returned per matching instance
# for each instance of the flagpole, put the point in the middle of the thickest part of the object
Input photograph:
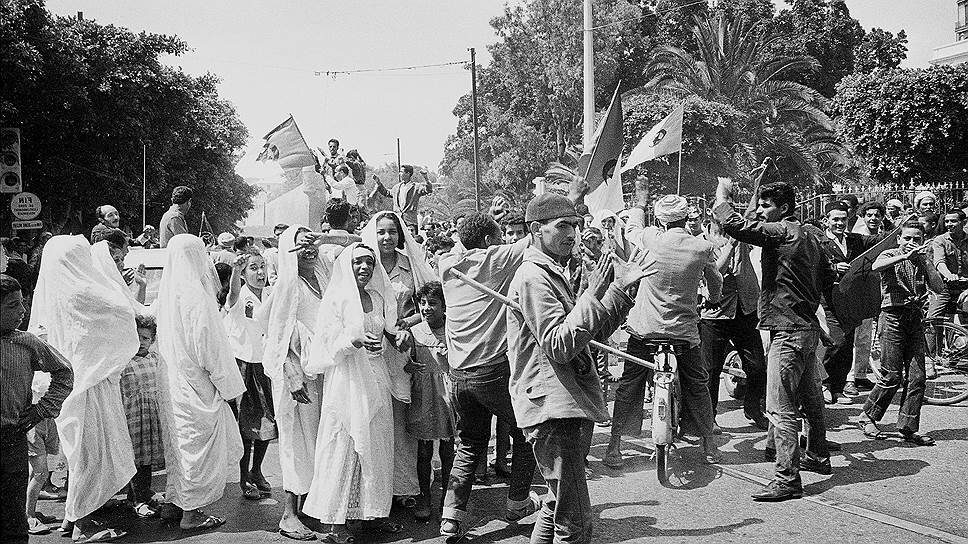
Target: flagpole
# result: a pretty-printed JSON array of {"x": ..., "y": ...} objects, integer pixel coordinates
[
  {"x": 399, "y": 164},
  {"x": 588, "y": 79},
  {"x": 144, "y": 186},
  {"x": 679, "y": 177}
]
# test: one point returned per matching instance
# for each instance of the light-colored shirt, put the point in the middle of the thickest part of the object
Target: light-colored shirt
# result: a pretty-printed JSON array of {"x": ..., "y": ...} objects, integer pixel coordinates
[
  {"x": 841, "y": 242},
  {"x": 953, "y": 253},
  {"x": 476, "y": 323},
  {"x": 172, "y": 223},
  {"x": 225, "y": 256},
  {"x": 246, "y": 336},
  {"x": 666, "y": 303}
]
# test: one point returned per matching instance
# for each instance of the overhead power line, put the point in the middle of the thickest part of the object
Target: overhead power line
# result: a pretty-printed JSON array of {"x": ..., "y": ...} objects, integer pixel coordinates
[{"x": 335, "y": 73}]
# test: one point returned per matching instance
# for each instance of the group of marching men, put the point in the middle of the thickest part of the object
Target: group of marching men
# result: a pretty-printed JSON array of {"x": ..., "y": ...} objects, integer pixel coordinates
[{"x": 369, "y": 349}]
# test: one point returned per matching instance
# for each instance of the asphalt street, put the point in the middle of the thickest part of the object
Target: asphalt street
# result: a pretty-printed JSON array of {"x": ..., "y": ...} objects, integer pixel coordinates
[{"x": 880, "y": 491}]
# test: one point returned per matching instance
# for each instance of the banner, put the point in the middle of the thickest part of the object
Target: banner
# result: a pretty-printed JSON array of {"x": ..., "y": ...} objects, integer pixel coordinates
[
  {"x": 663, "y": 139},
  {"x": 286, "y": 146},
  {"x": 606, "y": 151}
]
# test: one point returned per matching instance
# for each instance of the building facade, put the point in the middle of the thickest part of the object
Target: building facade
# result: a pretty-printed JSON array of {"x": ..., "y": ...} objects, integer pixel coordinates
[{"x": 957, "y": 51}]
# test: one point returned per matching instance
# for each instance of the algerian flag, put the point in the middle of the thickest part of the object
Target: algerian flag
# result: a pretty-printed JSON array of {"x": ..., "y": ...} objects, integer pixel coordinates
[
  {"x": 286, "y": 145},
  {"x": 597, "y": 166},
  {"x": 663, "y": 139}
]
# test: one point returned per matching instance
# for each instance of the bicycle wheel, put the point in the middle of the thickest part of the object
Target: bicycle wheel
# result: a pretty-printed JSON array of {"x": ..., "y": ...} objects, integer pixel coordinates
[
  {"x": 661, "y": 463},
  {"x": 946, "y": 364}
]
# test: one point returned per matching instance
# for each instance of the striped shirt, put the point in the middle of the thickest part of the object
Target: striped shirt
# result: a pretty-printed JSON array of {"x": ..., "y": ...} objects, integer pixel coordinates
[{"x": 21, "y": 354}]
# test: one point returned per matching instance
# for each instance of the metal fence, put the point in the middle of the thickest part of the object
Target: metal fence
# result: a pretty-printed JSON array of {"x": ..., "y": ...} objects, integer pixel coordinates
[{"x": 950, "y": 195}]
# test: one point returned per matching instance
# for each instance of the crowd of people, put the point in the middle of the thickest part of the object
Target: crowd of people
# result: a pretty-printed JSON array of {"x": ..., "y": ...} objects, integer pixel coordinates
[{"x": 368, "y": 345}]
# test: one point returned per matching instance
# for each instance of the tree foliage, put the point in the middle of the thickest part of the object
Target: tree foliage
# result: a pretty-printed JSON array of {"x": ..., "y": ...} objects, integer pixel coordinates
[
  {"x": 87, "y": 96},
  {"x": 880, "y": 50},
  {"x": 909, "y": 125}
]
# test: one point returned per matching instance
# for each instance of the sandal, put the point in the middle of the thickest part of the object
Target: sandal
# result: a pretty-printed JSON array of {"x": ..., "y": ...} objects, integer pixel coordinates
[
  {"x": 870, "y": 430},
  {"x": 260, "y": 483},
  {"x": 338, "y": 538},
  {"x": 210, "y": 522},
  {"x": 388, "y": 527},
  {"x": 918, "y": 439},
  {"x": 251, "y": 492},
  {"x": 144, "y": 510},
  {"x": 297, "y": 535},
  {"x": 405, "y": 502},
  {"x": 104, "y": 535}
]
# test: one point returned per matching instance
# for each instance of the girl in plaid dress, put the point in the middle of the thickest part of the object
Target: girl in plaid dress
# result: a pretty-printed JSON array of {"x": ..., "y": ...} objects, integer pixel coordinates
[{"x": 140, "y": 383}]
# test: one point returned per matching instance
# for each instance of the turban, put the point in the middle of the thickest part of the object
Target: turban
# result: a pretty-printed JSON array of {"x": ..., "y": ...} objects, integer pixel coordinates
[
  {"x": 671, "y": 208},
  {"x": 922, "y": 195},
  {"x": 895, "y": 202}
]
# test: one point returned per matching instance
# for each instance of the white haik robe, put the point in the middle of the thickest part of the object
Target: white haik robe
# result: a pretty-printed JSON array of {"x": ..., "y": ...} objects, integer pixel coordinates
[
  {"x": 202, "y": 376},
  {"x": 92, "y": 325}
]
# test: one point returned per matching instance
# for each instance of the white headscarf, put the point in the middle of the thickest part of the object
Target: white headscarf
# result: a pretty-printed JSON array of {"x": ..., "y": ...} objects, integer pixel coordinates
[
  {"x": 341, "y": 312},
  {"x": 617, "y": 230},
  {"x": 90, "y": 322},
  {"x": 419, "y": 267},
  {"x": 189, "y": 324},
  {"x": 103, "y": 261},
  {"x": 279, "y": 311}
]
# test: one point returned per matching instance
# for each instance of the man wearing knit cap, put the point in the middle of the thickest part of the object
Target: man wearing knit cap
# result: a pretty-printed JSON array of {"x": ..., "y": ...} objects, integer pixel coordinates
[
  {"x": 925, "y": 201},
  {"x": 666, "y": 308},
  {"x": 796, "y": 272},
  {"x": 554, "y": 386}
]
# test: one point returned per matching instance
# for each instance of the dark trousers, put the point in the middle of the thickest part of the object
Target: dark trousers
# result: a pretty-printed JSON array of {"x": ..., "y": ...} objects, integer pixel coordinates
[
  {"x": 425, "y": 456},
  {"x": 792, "y": 386},
  {"x": 561, "y": 446},
  {"x": 628, "y": 413},
  {"x": 742, "y": 332},
  {"x": 476, "y": 395},
  {"x": 838, "y": 358},
  {"x": 13, "y": 482},
  {"x": 902, "y": 367}
]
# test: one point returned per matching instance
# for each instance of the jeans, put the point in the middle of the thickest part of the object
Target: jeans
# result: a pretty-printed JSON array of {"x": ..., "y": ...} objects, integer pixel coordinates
[
  {"x": 476, "y": 395},
  {"x": 792, "y": 384},
  {"x": 697, "y": 410},
  {"x": 560, "y": 446},
  {"x": 838, "y": 358},
  {"x": 902, "y": 366},
  {"x": 13, "y": 482},
  {"x": 741, "y": 330}
]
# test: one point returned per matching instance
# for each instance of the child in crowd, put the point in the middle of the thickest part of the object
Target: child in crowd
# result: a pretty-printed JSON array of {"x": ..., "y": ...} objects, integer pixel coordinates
[
  {"x": 22, "y": 354},
  {"x": 42, "y": 441},
  {"x": 903, "y": 278},
  {"x": 140, "y": 388},
  {"x": 430, "y": 416}
]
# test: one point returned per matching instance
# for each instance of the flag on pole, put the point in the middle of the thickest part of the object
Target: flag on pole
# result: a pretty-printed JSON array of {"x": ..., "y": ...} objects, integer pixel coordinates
[
  {"x": 607, "y": 196},
  {"x": 606, "y": 148},
  {"x": 663, "y": 139},
  {"x": 286, "y": 145}
]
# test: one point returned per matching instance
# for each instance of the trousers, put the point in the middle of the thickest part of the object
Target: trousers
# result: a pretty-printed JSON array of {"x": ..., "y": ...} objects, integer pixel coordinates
[
  {"x": 902, "y": 367},
  {"x": 560, "y": 447}
]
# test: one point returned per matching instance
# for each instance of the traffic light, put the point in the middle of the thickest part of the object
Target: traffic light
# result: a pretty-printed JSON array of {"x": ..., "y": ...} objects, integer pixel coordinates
[{"x": 10, "y": 180}]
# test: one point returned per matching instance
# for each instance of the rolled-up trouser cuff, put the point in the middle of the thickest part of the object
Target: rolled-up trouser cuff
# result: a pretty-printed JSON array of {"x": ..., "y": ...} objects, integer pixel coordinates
[{"x": 453, "y": 514}]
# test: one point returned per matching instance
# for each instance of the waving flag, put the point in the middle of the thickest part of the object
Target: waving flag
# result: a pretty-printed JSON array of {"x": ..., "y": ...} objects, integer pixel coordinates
[
  {"x": 286, "y": 146},
  {"x": 607, "y": 148},
  {"x": 663, "y": 139}
]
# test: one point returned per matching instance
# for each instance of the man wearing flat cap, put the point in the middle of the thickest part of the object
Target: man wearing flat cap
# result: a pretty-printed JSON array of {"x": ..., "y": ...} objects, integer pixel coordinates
[
  {"x": 555, "y": 389},
  {"x": 666, "y": 308}
]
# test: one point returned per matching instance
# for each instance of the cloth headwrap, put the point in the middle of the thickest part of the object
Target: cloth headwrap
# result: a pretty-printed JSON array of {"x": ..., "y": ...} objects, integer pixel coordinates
[
  {"x": 549, "y": 206},
  {"x": 922, "y": 195},
  {"x": 83, "y": 315},
  {"x": 617, "y": 230},
  {"x": 104, "y": 262},
  {"x": 895, "y": 202},
  {"x": 671, "y": 208},
  {"x": 341, "y": 313},
  {"x": 278, "y": 313}
]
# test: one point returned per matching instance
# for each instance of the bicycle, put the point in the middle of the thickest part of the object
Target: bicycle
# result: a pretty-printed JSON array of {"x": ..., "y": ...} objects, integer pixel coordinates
[{"x": 666, "y": 401}]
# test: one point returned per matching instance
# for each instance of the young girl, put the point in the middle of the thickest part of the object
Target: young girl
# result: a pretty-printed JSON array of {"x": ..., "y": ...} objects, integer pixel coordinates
[
  {"x": 430, "y": 416},
  {"x": 140, "y": 383},
  {"x": 254, "y": 411},
  {"x": 355, "y": 444}
]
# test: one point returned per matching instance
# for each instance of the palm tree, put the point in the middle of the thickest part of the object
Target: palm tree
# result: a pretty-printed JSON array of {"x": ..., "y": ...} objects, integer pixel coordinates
[{"x": 735, "y": 65}]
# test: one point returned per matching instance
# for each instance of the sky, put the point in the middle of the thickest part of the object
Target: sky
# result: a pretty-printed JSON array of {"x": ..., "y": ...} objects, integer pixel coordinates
[{"x": 266, "y": 55}]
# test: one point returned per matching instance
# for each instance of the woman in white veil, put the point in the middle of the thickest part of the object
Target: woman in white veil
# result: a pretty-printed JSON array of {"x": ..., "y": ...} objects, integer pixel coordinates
[
  {"x": 355, "y": 448},
  {"x": 93, "y": 325},
  {"x": 202, "y": 377},
  {"x": 613, "y": 229}
]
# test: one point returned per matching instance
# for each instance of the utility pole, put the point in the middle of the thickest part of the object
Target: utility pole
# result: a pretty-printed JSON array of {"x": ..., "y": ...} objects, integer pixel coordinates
[
  {"x": 477, "y": 170},
  {"x": 144, "y": 185},
  {"x": 588, "y": 120},
  {"x": 399, "y": 164}
]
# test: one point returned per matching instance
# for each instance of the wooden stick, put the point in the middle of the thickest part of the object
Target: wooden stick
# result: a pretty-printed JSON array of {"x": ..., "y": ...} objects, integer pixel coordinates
[{"x": 514, "y": 306}]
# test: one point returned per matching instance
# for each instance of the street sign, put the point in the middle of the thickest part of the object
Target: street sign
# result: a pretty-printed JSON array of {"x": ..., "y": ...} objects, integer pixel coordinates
[
  {"x": 10, "y": 178},
  {"x": 25, "y": 206},
  {"x": 25, "y": 225}
]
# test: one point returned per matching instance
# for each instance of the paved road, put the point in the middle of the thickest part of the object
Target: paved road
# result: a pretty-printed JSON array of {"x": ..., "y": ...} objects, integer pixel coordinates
[{"x": 925, "y": 489}]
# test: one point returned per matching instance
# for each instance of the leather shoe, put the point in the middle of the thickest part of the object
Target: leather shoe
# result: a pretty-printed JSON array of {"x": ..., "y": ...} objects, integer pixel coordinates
[
  {"x": 809, "y": 464},
  {"x": 850, "y": 390},
  {"x": 776, "y": 492},
  {"x": 759, "y": 420},
  {"x": 863, "y": 384}
]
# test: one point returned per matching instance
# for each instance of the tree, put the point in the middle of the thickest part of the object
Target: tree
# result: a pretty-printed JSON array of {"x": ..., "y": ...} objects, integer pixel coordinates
[
  {"x": 736, "y": 66},
  {"x": 880, "y": 50},
  {"x": 87, "y": 96},
  {"x": 908, "y": 125}
]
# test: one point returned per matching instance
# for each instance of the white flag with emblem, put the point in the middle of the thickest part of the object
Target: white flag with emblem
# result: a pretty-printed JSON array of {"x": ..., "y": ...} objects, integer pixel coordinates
[{"x": 663, "y": 139}]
